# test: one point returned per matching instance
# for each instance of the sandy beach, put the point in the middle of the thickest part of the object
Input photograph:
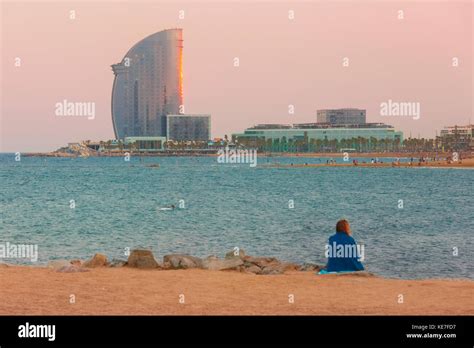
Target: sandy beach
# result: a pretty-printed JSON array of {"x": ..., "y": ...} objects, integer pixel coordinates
[
  {"x": 126, "y": 291},
  {"x": 465, "y": 163},
  {"x": 428, "y": 154}
]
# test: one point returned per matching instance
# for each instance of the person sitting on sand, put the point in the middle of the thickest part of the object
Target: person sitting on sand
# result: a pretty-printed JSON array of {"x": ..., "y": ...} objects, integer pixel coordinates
[{"x": 349, "y": 261}]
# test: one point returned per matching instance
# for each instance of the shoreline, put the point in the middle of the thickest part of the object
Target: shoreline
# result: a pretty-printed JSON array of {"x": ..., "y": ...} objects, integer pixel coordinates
[
  {"x": 213, "y": 153},
  {"x": 126, "y": 291},
  {"x": 465, "y": 162}
]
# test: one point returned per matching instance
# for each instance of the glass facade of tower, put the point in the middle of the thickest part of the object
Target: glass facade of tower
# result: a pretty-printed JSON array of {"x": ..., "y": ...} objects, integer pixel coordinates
[{"x": 148, "y": 85}]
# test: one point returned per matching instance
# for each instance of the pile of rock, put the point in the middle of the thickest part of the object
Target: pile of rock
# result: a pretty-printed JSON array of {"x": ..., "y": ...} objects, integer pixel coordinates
[
  {"x": 213, "y": 263},
  {"x": 144, "y": 259},
  {"x": 237, "y": 261},
  {"x": 181, "y": 261},
  {"x": 72, "y": 266}
]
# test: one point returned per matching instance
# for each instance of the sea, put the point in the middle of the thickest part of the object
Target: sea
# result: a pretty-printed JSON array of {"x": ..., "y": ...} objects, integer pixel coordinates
[{"x": 412, "y": 222}]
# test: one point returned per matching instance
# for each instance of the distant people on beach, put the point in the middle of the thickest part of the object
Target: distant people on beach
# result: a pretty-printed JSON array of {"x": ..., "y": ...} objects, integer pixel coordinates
[
  {"x": 375, "y": 161},
  {"x": 342, "y": 251}
]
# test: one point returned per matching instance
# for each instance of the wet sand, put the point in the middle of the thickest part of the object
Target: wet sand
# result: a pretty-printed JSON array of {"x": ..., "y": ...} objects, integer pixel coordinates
[{"x": 125, "y": 291}]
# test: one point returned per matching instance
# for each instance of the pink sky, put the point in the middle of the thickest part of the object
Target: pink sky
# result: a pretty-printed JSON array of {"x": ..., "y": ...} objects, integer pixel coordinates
[{"x": 282, "y": 62}]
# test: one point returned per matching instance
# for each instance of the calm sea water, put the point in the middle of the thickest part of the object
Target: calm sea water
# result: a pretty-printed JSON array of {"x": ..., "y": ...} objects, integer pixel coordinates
[{"x": 229, "y": 205}]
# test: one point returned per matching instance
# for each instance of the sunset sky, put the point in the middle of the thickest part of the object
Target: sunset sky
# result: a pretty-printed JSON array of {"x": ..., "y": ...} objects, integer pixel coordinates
[{"x": 282, "y": 62}]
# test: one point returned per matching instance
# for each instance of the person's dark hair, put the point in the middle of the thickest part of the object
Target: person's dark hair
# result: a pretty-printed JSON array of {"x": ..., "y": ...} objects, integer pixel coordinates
[{"x": 342, "y": 226}]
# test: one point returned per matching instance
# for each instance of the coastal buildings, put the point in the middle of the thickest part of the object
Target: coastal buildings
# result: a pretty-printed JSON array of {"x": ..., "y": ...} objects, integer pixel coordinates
[
  {"x": 321, "y": 139},
  {"x": 342, "y": 129},
  {"x": 188, "y": 127},
  {"x": 456, "y": 138},
  {"x": 145, "y": 144},
  {"x": 341, "y": 116}
]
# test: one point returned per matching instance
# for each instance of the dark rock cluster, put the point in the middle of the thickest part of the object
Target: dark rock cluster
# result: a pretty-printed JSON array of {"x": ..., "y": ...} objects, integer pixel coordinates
[{"x": 144, "y": 259}]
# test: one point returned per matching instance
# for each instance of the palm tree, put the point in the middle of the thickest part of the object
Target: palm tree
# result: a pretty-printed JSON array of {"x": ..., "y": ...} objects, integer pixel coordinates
[
  {"x": 276, "y": 145},
  {"x": 325, "y": 143},
  {"x": 364, "y": 143},
  {"x": 333, "y": 143},
  {"x": 284, "y": 144},
  {"x": 359, "y": 143},
  {"x": 396, "y": 143},
  {"x": 269, "y": 145},
  {"x": 319, "y": 144},
  {"x": 373, "y": 144},
  {"x": 343, "y": 143}
]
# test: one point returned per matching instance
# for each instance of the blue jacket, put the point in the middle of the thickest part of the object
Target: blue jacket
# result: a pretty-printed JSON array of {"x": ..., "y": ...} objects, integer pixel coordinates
[{"x": 346, "y": 262}]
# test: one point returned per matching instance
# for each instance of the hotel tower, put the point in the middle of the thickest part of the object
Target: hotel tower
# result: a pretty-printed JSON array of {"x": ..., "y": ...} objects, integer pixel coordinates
[{"x": 148, "y": 85}]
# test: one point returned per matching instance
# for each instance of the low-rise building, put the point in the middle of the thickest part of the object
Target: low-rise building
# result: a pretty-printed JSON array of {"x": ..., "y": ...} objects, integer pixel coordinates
[
  {"x": 301, "y": 139},
  {"x": 456, "y": 138},
  {"x": 188, "y": 127},
  {"x": 341, "y": 116},
  {"x": 145, "y": 144}
]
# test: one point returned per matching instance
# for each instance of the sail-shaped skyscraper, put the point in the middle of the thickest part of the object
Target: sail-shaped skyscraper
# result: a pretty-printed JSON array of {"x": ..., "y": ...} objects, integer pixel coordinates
[{"x": 148, "y": 85}]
